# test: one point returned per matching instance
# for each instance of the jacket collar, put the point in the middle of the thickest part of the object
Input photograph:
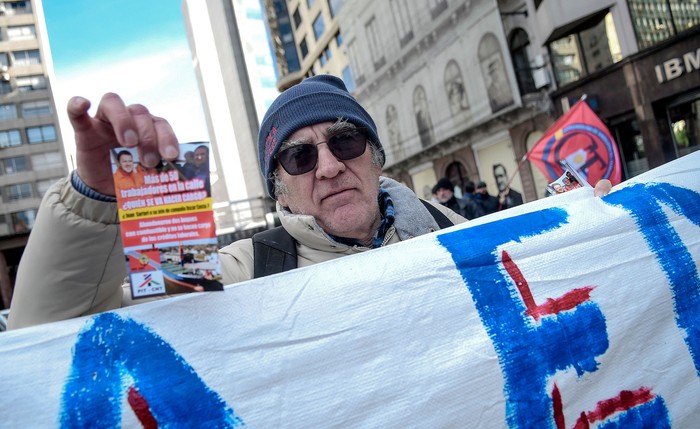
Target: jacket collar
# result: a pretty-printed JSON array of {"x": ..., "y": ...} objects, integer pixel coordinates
[{"x": 411, "y": 220}]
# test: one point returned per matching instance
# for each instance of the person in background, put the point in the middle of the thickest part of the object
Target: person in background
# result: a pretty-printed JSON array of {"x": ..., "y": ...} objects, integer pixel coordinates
[
  {"x": 188, "y": 167},
  {"x": 469, "y": 190},
  {"x": 200, "y": 163},
  {"x": 509, "y": 198},
  {"x": 488, "y": 203},
  {"x": 444, "y": 192}
]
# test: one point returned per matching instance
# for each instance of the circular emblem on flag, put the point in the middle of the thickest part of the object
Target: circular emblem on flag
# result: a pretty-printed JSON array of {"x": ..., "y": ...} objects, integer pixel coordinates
[{"x": 587, "y": 148}]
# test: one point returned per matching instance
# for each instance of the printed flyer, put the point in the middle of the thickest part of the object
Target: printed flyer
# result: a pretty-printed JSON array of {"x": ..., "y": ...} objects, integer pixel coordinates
[
  {"x": 569, "y": 180},
  {"x": 167, "y": 222}
]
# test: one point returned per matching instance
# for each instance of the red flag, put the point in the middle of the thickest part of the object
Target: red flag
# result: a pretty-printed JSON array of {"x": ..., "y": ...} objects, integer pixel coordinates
[{"x": 581, "y": 138}]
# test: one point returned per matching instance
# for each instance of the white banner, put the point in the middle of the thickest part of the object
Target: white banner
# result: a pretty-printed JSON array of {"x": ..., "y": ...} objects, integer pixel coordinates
[{"x": 569, "y": 312}]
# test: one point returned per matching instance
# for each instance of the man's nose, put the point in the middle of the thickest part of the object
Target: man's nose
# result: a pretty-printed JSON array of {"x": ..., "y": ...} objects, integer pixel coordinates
[{"x": 328, "y": 165}]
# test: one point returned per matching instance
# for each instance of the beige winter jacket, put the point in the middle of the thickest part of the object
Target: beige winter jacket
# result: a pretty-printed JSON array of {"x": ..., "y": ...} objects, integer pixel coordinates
[{"x": 74, "y": 263}]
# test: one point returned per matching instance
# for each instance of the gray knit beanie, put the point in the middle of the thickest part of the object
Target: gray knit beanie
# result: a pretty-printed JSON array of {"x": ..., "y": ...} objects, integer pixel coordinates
[{"x": 321, "y": 98}]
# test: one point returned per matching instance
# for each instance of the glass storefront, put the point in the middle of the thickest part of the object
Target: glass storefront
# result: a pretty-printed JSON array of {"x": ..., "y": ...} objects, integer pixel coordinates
[
  {"x": 684, "y": 120},
  {"x": 625, "y": 130}
]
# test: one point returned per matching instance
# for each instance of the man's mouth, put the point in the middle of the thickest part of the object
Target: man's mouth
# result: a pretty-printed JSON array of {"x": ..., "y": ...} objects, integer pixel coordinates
[{"x": 336, "y": 193}]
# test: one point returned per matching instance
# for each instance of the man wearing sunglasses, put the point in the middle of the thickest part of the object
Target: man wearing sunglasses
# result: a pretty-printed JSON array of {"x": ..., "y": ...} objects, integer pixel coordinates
[{"x": 321, "y": 159}]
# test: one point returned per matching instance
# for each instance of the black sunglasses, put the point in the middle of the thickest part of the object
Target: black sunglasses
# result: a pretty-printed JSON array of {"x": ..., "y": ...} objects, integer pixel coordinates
[{"x": 302, "y": 158}]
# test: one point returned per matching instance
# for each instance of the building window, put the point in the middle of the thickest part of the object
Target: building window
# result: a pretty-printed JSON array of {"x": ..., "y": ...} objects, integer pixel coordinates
[
  {"x": 319, "y": 26},
  {"x": 4, "y": 60},
  {"x": 437, "y": 7},
  {"x": 625, "y": 130},
  {"x": 33, "y": 109},
  {"x": 325, "y": 55},
  {"x": 19, "y": 191},
  {"x": 297, "y": 18},
  {"x": 310, "y": 3},
  {"x": 41, "y": 134},
  {"x": 353, "y": 56},
  {"x": 655, "y": 21},
  {"x": 334, "y": 6},
  {"x": 303, "y": 48},
  {"x": 393, "y": 127},
  {"x": 43, "y": 185},
  {"x": 23, "y": 221},
  {"x": 27, "y": 58},
  {"x": 30, "y": 83},
  {"x": 268, "y": 82},
  {"x": 14, "y": 165},
  {"x": 17, "y": 7},
  {"x": 455, "y": 89},
  {"x": 493, "y": 71},
  {"x": 586, "y": 50},
  {"x": 347, "y": 78},
  {"x": 5, "y": 87},
  {"x": 21, "y": 32},
  {"x": 519, "y": 44},
  {"x": 402, "y": 21},
  {"x": 47, "y": 160},
  {"x": 8, "y": 112},
  {"x": 372, "y": 31},
  {"x": 338, "y": 39},
  {"x": 10, "y": 138},
  {"x": 684, "y": 119},
  {"x": 458, "y": 175},
  {"x": 422, "y": 115},
  {"x": 255, "y": 14}
]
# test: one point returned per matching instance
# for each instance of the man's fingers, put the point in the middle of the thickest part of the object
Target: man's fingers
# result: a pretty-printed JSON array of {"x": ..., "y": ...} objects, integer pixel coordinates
[
  {"x": 77, "y": 113},
  {"x": 168, "y": 146},
  {"x": 146, "y": 135},
  {"x": 602, "y": 188},
  {"x": 113, "y": 112}
]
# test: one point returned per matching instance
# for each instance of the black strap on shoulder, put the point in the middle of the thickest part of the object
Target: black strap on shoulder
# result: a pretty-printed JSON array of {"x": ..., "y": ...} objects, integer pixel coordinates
[
  {"x": 274, "y": 251},
  {"x": 442, "y": 220}
]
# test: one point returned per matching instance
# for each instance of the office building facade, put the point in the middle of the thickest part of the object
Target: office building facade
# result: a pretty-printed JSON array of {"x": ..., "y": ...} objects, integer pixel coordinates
[{"x": 31, "y": 151}]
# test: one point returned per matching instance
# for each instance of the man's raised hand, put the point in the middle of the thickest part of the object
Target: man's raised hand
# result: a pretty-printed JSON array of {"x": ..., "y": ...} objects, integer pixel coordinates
[{"x": 116, "y": 125}]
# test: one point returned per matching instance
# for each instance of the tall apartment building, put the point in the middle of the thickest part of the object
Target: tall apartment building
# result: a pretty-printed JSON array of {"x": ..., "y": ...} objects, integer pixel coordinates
[
  {"x": 31, "y": 151},
  {"x": 307, "y": 40}
]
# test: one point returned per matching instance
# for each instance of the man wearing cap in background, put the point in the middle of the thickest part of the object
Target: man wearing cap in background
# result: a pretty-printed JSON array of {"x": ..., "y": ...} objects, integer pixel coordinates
[
  {"x": 444, "y": 192},
  {"x": 488, "y": 203},
  {"x": 321, "y": 159}
]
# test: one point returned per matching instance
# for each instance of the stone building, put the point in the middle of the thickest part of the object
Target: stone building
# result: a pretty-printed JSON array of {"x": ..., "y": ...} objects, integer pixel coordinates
[{"x": 464, "y": 88}]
